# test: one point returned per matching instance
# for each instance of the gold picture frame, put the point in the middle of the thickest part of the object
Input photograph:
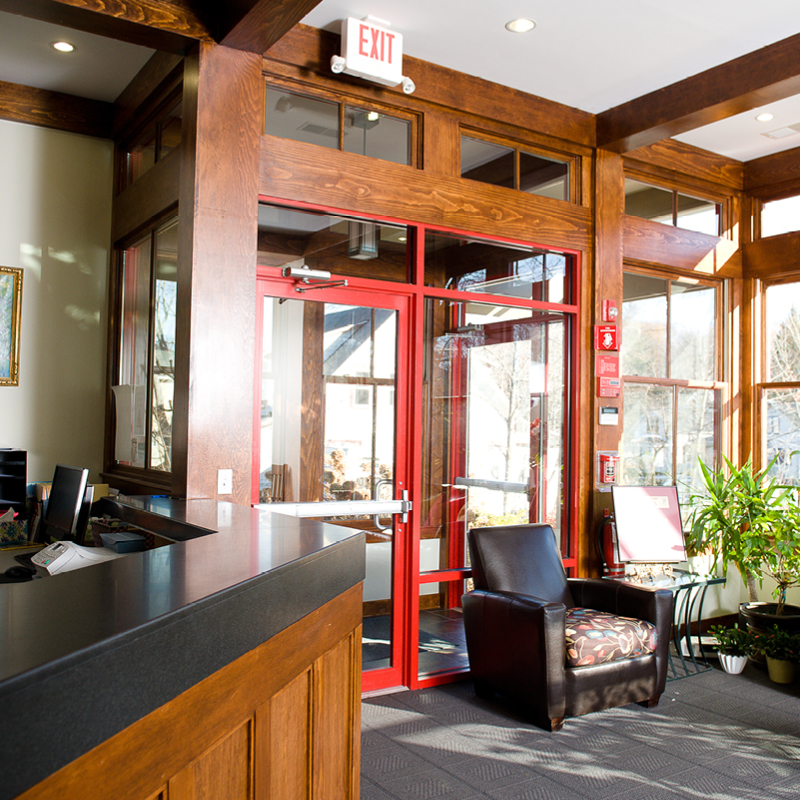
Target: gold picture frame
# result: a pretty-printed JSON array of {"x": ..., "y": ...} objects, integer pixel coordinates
[{"x": 10, "y": 323}]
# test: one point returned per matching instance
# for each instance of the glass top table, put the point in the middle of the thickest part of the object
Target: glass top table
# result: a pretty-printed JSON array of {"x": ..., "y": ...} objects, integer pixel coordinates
[{"x": 687, "y": 655}]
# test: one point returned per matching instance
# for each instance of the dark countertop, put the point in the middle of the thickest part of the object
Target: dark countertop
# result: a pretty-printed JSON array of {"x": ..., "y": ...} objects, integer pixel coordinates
[{"x": 86, "y": 653}]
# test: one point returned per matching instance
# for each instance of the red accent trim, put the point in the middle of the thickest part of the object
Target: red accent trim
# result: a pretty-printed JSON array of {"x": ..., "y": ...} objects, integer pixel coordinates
[
  {"x": 437, "y": 576},
  {"x": 442, "y": 679}
]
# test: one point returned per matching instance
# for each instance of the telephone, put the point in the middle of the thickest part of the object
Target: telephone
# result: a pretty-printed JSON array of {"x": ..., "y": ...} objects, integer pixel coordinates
[{"x": 66, "y": 556}]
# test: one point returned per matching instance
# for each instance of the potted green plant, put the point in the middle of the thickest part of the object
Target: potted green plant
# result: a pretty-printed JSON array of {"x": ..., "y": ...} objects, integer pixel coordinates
[
  {"x": 733, "y": 645},
  {"x": 782, "y": 651},
  {"x": 746, "y": 518}
]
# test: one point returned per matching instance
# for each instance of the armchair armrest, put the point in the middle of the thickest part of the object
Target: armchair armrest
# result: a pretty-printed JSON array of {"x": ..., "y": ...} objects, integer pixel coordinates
[{"x": 516, "y": 643}]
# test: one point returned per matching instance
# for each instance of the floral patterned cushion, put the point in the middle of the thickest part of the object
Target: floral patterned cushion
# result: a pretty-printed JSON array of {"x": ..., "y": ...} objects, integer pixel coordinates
[{"x": 595, "y": 637}]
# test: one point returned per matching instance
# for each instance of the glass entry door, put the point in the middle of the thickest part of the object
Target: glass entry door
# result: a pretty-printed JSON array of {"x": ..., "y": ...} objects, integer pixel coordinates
[{"x": 333, "y": 391}]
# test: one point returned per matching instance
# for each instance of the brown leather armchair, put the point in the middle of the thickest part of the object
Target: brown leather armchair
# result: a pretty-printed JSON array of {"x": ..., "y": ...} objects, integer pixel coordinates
[{"x": 516, "y": 628}]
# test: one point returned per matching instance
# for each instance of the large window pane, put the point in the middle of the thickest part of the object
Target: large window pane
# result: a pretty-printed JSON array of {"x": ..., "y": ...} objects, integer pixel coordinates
[
  {"x": 781, "y": 426},
  {"x": 644, "y": 314},
  {"x": 164, "y": 315},
  {"x": 783, "y": 332},
  {"x": 130, "y": 393},
  {"x": 692, "y": 331},
  {"x": 369, "y": 133},
  {"x": 647, "y": 439},
  {"x": 472, "y": 265},
  {"x": 494, "y": 395},
  {"x": 696, "y": 424},
  {"x": 301, "y": 118}
]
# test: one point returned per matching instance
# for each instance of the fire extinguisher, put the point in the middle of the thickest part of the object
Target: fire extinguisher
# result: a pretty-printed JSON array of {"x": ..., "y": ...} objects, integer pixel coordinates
[{"x": 607, "y": 546}]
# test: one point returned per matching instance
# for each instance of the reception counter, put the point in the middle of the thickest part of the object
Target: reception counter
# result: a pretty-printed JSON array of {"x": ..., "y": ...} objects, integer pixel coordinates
[{"x": 224, "y": 664}]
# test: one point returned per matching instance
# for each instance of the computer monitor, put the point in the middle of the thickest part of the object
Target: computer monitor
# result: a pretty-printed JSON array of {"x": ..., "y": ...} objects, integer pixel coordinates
[
  {"x": 648, "y": 522},
  {"x": 67, "y": 508}
]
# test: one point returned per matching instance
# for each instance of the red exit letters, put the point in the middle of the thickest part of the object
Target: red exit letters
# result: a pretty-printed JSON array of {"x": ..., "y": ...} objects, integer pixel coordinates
[{"x": 375, "y": 43}]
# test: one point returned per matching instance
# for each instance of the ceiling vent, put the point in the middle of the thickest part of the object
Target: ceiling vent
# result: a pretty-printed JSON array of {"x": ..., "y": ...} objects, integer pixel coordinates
[{"x": 782, "y": 133}]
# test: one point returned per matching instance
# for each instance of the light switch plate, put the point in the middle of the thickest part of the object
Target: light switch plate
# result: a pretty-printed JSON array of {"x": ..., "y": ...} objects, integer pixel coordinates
[{"x": 224, "y": 481}]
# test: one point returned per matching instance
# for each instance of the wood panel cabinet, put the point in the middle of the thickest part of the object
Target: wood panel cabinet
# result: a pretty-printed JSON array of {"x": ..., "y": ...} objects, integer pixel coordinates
[{"x": 281, "y": 722}]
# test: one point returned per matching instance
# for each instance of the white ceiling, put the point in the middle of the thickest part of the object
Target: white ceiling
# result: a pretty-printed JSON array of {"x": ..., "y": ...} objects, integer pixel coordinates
[
  {"x": 98, "y": 68},
  {"x": 588, "y": 54},
  {"x": 594, "y": 54}
]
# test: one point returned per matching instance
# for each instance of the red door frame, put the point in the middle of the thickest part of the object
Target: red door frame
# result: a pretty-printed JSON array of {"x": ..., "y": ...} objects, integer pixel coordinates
[
  {"x": 412, "y": 296},
  {"x": 369, "y": 294}
]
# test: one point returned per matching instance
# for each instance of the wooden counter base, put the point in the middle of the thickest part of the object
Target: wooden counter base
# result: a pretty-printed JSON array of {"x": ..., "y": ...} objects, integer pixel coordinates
[{"x": 282, "y": 721}]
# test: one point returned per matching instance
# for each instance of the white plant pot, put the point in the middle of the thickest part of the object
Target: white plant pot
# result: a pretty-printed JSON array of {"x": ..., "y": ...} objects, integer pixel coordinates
[{"x": 733, "y": 665}]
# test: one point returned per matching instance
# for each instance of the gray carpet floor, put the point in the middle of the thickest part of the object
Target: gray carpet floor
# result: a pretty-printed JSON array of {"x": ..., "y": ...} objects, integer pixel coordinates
[{"x": 713, "y": 736}]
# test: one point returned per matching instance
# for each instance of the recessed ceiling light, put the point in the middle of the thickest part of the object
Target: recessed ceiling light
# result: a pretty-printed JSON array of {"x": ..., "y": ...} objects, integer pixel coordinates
[
  {"x": 766, "y": 117},
  {"x": 64, "y": 47},
  {"x": 520, "y": 25}
]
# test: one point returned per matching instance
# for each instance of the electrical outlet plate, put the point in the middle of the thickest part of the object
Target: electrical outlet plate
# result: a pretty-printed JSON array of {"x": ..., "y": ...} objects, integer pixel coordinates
[{"x": 224, "y": 481}]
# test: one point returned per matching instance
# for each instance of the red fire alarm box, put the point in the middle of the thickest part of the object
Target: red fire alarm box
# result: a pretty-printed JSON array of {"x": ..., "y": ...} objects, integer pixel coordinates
[
  {"x": 610, "y": 311},
  {"x": 606, "y": 337},
  {"x": 607, "y": 468}
]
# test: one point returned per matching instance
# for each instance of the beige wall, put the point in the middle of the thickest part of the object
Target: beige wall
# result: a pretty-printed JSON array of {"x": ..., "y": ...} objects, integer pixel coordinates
[{"x": 55, "y": 223}]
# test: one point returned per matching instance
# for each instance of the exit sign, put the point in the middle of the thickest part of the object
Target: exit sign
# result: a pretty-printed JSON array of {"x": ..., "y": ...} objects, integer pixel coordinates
[{"x": 372, "y": 51}]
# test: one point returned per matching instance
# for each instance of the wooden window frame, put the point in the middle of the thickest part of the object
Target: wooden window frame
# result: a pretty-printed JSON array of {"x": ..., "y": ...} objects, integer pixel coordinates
[{"x": 133, "y": 475}]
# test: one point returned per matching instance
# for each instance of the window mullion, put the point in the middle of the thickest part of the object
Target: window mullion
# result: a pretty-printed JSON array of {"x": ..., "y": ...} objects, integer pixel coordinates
[{"x": 150, "y": 348}]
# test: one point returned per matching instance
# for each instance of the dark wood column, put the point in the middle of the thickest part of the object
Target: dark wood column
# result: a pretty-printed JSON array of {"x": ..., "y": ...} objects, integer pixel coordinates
[
  {"x": 608, "y": 248},
  {"x": 213, "y": 421}
]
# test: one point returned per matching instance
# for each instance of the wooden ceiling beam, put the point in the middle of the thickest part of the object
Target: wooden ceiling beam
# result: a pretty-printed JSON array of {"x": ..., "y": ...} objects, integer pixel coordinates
[
  {"x": 63, "y": 112},
  {"x": 252, "y": 25},
  {"x": 763, "y": 76},
  {"x": 172, "y": 25}
]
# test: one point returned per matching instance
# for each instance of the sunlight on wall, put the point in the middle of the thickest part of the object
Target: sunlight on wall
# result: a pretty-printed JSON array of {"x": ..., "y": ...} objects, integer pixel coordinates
[{"x": 56, "y": 211}]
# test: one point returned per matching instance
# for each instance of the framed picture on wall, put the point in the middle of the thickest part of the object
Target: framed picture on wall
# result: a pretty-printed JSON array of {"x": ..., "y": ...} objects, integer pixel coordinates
[{"x": 10, "y": 321}]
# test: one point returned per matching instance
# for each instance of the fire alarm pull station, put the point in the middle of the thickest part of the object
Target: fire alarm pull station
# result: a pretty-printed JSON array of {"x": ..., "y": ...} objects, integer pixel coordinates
[
  {"x": 610, "y": 311},
  {"x": 607, "y": 469}
]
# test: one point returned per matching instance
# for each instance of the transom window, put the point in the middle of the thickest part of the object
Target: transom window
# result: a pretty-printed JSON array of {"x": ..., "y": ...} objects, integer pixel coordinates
[
  {"x": 160, "y": 137},
  {"x": 780, "y": 216},
  {"x": 671, "y": 207},
  {"x": 514, "y": 168},
  {"x": 366, "y": 131}
]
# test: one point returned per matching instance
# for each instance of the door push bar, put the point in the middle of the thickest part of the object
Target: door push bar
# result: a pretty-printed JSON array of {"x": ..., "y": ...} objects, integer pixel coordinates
[{"x": 343, "y": 508}]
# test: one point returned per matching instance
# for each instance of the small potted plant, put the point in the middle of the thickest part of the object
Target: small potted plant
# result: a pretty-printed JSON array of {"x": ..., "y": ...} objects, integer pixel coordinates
[
  {"x": 782, "y": 651},
  {"x": 733, "y": 646}
]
